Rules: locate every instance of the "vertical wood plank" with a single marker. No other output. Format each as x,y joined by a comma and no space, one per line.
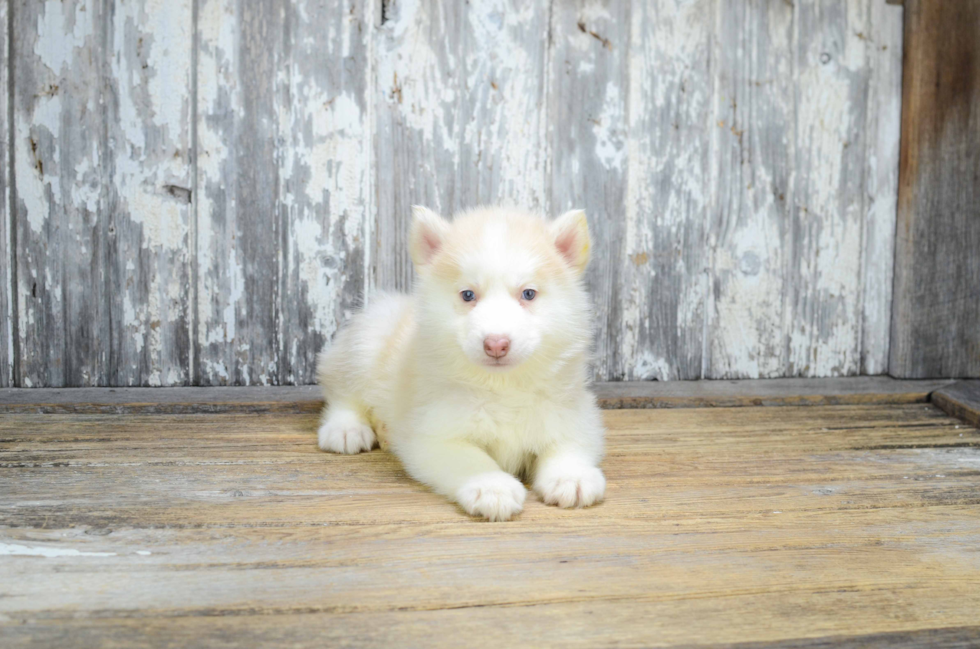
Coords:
149,210
326,174
501,110
6,250
417,95
239,263
830,60
883,128
588,91
61,199
753,153
667,180
936,310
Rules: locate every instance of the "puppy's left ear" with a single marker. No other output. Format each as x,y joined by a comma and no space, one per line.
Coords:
571,236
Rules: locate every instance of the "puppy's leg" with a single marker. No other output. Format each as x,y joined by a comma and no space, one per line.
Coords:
345,430
465,473
568,478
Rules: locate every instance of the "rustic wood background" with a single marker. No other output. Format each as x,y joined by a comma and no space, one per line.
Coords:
202,191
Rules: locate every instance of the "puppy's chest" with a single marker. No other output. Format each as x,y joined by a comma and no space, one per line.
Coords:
516,423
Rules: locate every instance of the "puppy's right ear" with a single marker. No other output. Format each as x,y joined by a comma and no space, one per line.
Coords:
427,235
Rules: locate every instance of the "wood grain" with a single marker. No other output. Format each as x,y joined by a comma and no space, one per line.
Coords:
805,126
937,268
62,194
7,256
620,394
239,222
816,526
202,192
670,92
148,49
587,107
960,399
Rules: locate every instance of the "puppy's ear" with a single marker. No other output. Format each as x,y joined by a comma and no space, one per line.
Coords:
571,236
426,236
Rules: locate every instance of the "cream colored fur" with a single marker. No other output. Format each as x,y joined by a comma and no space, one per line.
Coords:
414,370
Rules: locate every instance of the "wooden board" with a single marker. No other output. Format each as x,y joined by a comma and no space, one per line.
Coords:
7,256
623,394
960,399
937,268
818,526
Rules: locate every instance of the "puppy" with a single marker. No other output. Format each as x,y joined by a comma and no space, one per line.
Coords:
480,375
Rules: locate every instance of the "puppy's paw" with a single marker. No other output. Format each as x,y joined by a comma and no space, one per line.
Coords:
496,496
573,486
345,432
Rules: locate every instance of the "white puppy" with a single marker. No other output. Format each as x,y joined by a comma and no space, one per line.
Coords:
480,375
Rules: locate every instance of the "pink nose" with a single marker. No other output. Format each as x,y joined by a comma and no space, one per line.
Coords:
496,346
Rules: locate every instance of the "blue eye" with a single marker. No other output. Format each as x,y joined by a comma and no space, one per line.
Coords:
529,294
467,295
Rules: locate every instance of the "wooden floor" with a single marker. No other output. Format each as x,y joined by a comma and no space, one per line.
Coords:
848,525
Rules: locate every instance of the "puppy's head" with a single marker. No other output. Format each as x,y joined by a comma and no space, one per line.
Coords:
501,288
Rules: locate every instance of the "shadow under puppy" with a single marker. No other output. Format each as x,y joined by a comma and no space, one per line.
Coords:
480,375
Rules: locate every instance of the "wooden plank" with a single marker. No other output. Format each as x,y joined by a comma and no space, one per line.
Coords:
827,212
239,223
149,49
763,392
662,330
883,128
543,626
937,269
753,145
960,399
628,394
460,114
781,526
7,256
417,129
61,197
587,136
326,174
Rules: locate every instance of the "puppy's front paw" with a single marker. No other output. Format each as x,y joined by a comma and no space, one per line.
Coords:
345,432
574,486
496,496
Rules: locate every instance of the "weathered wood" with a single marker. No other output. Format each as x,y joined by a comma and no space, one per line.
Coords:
620,394
670,89
326,174
883,129
587,139
148,163
848,524
802,187
960,399
6,249
239,221
753,145
62,194
459,115
937,269
216,218
416,59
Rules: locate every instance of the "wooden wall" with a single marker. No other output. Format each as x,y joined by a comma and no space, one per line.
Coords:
202,191
936,324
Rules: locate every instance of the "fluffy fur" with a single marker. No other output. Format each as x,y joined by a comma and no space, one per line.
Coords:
423,374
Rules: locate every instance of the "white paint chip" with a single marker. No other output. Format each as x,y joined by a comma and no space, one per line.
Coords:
13,549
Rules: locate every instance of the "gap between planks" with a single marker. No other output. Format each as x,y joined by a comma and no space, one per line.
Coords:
611,396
